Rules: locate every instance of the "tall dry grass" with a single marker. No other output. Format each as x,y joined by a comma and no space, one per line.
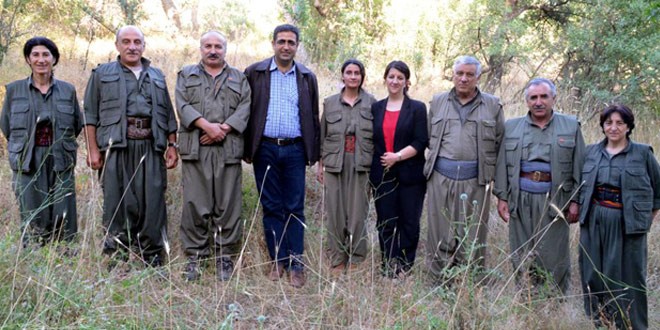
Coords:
43,288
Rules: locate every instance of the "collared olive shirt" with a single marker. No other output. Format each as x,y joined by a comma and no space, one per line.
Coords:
537,141
224,98
610,168
113,93
43,103
340,119
138,100
459,141
638,174
560,143
25,106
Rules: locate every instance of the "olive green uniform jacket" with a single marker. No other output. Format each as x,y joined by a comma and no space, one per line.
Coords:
211,175
134,174
43,177
533,232
346,177
566,158
490,130
453,230
613,242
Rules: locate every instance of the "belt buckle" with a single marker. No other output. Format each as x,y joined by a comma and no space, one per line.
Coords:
138,123
280,142
536,176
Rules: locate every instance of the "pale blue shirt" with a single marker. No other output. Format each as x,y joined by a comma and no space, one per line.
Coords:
283,118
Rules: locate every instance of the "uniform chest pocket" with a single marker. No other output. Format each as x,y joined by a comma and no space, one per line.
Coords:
566,145
19,116
488,130
109,88
232,94
366,122
436,126
161,90
510,153
587,169
193,87
65,118
637,179
334,124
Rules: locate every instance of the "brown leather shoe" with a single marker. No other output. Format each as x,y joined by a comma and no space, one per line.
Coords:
276,271
297,278
336,271
353,267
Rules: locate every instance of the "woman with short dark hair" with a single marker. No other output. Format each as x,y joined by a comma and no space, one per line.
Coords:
399,184
41,120
620,198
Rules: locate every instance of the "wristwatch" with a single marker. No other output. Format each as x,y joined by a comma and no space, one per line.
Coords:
399,154
173,145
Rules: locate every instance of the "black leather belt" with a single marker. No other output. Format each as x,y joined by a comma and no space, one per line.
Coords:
282,142
139,122
138,128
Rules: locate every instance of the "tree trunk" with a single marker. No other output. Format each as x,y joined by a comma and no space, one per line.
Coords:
172,12
194,18
9,30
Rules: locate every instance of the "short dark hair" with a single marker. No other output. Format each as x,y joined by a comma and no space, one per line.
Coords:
625,113
286,28
41,41
359,65
401,67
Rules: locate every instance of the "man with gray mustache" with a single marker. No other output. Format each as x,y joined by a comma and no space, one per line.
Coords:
537,178
213,104
131,138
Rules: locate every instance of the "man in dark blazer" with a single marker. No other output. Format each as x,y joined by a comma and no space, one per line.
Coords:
283,135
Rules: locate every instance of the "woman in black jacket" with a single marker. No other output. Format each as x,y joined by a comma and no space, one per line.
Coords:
400,138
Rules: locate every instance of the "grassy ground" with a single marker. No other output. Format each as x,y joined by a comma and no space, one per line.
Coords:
42,288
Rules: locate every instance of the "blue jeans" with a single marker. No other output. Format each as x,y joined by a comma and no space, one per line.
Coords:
280,175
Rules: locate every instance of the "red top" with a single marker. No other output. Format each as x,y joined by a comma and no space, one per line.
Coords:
389,127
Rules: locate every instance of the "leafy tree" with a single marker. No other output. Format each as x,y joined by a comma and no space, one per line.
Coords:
230,18
131,10
13,23
336,30
611,51
512,31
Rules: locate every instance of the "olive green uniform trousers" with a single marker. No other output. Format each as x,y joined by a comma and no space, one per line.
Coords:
612,264
347,209
47,199
211,204
134,182
539,242
460,226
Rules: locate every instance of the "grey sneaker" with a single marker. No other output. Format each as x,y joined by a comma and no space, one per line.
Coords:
192,272
224,267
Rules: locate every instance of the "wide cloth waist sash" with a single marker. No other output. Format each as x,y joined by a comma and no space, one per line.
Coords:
531,186
458,170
